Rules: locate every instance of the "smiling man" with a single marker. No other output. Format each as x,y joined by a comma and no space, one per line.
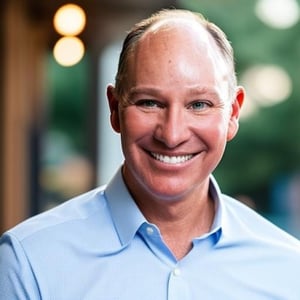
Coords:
161,228
177,110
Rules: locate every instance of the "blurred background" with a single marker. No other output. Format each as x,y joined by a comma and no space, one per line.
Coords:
55,137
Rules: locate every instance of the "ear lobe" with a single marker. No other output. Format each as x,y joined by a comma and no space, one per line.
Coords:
114,108
235,113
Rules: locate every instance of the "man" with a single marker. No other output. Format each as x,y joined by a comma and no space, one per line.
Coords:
161,229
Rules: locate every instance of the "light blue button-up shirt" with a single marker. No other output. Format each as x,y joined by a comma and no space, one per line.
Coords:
99,246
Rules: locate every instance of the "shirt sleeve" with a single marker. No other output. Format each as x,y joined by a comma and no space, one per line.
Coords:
17,281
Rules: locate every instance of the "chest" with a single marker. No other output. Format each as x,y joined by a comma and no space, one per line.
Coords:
146,270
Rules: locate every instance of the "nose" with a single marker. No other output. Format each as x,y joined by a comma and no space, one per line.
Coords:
172,128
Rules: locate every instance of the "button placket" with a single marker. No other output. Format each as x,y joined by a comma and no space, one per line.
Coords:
178,288
176,271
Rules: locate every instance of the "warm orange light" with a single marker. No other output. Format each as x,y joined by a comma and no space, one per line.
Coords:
68,51
69,19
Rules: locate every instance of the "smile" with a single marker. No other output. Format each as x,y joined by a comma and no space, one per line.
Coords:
172,159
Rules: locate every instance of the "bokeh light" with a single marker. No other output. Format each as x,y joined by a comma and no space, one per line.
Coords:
68,51
265,85
279,14
69,19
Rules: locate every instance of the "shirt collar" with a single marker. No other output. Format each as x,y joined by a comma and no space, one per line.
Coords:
224,219
126,215
128,218
216,195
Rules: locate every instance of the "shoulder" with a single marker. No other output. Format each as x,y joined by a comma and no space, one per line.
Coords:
64,236
64,217
243,221
57,243
259,251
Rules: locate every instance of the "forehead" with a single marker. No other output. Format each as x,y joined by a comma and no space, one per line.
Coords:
180,36
180,41
177,55
172,51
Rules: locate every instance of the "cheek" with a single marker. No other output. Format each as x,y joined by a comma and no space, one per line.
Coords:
133,124
213,129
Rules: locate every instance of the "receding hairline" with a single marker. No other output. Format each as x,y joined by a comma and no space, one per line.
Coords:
176,25
172,14
167,19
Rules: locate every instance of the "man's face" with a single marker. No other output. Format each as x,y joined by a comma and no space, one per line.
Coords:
179,117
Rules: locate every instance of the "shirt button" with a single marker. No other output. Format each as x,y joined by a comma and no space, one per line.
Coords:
149,230
176,272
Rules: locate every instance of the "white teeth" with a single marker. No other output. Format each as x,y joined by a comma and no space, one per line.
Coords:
171,159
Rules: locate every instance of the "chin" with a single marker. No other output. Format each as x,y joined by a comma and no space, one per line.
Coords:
169,193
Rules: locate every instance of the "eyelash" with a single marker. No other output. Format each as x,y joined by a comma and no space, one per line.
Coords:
204,104
151,104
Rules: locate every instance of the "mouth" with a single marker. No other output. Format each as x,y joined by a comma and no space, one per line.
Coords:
172,160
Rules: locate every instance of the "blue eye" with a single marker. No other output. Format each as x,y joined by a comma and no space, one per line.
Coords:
199,105
147,103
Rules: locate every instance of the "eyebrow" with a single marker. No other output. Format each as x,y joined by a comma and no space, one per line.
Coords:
144,90
196,90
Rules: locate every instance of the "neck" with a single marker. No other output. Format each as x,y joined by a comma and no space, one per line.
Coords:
180,221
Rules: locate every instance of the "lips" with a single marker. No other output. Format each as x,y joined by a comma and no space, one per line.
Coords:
173,160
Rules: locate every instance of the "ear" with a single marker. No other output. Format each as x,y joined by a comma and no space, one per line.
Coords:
114,108
235,113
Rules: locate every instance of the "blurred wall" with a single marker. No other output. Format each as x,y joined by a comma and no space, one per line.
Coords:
22,45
